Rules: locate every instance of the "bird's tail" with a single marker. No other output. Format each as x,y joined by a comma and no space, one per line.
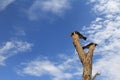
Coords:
84,38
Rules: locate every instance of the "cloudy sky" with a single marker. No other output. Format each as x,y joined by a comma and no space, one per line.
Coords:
35,41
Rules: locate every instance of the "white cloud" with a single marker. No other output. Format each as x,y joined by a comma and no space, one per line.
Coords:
41,7
67,69
11,48
105,31
5,3
106,6
109,67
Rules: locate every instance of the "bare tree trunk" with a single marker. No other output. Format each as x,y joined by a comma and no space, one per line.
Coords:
85,58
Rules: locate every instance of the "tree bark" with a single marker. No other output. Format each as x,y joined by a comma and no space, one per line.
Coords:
85,58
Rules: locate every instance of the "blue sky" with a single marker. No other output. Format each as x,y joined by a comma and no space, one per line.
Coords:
35,39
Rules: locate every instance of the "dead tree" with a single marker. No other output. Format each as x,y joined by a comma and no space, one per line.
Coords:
85,58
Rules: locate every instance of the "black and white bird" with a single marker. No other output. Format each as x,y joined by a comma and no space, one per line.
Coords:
87,46
80,35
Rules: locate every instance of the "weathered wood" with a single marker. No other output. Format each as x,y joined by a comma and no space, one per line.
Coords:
85,58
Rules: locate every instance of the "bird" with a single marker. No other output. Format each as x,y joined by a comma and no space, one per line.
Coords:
80,35
87,46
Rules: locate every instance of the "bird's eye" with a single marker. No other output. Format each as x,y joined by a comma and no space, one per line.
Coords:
72,33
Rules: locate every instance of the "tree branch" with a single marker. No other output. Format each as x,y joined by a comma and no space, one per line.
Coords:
95,76
76,37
